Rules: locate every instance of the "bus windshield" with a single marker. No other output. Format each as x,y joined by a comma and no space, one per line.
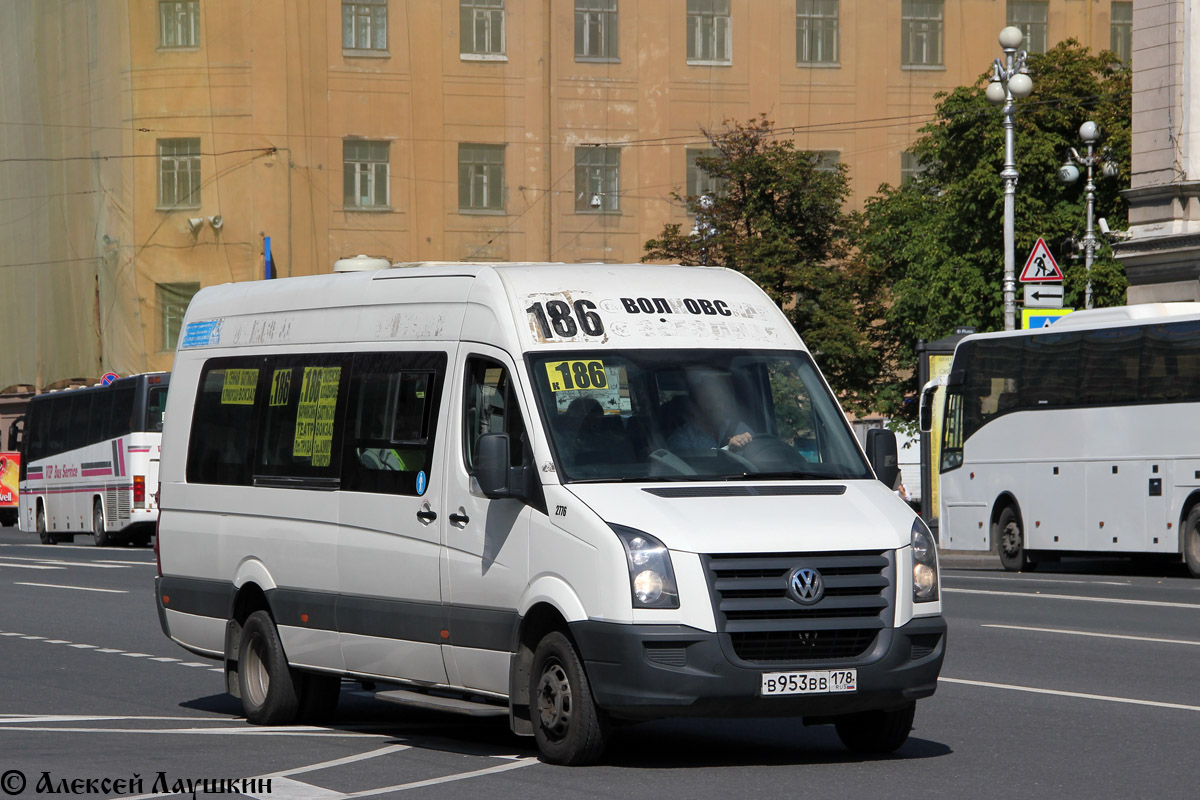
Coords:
671,415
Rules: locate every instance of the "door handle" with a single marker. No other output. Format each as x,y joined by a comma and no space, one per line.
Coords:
427,516
459,519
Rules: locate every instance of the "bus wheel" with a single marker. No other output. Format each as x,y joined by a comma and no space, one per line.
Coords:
1011,540
568,726
876,732
98,531
43,532
268,686
1191,542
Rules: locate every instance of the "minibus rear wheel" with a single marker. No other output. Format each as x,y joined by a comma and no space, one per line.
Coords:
268,687
568,726
876,732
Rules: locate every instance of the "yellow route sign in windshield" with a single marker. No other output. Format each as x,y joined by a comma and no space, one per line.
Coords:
569,375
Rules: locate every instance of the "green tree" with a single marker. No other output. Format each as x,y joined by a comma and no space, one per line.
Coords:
778,218
938,240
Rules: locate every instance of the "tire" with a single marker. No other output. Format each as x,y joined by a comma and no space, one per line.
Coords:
99,533
319,697
43,531
567,725
876,732
1010,542
1191,542
268,685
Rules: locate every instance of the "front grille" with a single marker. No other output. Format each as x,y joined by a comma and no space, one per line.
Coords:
765,624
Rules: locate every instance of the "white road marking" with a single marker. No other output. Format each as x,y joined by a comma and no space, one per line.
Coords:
1041,596
30,719
85,646
136,655
125,563
78,588
166,659
193,664
1099,635
295,730
461,776
29,566
337,762
1078,695
1035,580
109,650
56,641
60,563
296,790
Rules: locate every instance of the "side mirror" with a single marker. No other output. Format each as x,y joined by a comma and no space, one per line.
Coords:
929,395
882,453
492,471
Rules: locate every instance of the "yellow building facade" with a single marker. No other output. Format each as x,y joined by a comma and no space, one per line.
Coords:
150,147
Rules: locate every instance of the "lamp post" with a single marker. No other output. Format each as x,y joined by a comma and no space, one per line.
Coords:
702,227
1010,80
1089,133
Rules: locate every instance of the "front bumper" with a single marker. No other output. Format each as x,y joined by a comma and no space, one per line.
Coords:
653,671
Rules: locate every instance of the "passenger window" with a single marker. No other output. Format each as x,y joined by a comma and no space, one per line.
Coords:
224,423
392,422
304,399
490,406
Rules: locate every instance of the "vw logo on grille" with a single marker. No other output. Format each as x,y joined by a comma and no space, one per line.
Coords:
806,586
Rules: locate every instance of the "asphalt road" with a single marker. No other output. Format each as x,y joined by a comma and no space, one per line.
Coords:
1077,681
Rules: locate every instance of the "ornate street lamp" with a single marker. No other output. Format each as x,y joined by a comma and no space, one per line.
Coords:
1089,132
1010,80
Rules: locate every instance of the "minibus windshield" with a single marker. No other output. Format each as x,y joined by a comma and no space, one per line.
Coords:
678,415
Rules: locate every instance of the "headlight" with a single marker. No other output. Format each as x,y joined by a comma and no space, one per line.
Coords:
651,579
925,567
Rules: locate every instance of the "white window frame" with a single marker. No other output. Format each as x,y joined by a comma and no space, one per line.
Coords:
178,163
491,15
598,174
365,17
178,24
369,171
699,182
1120,35
173,299
924,31
596,31
709,32
1032,17
817,30
480,178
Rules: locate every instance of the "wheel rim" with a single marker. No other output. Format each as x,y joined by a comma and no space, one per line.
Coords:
554,700
254,672
98,524
1010,540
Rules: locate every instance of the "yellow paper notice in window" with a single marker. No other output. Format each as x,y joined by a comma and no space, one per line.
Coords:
306,412
322,447
238,389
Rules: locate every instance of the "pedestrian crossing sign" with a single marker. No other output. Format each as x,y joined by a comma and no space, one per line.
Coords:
1042,317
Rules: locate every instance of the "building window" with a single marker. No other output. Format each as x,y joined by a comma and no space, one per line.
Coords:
482,23
921,33
709,37
816,31
1031,16
364,24
365,176
481,177
178,173
179,23
1121,30
597,179
596,30
910,167
173,299
700,182
827,160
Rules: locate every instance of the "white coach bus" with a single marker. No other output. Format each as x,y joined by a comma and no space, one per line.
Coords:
89,461
565,494
1077,438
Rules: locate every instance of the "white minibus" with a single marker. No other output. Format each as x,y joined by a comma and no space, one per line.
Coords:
1080,438
570,495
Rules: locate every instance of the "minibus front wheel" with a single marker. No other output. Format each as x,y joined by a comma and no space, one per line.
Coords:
268,688
567,724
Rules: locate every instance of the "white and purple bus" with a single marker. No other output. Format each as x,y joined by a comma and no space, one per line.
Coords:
90,461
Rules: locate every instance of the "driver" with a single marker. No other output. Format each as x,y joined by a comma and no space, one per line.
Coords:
710,421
